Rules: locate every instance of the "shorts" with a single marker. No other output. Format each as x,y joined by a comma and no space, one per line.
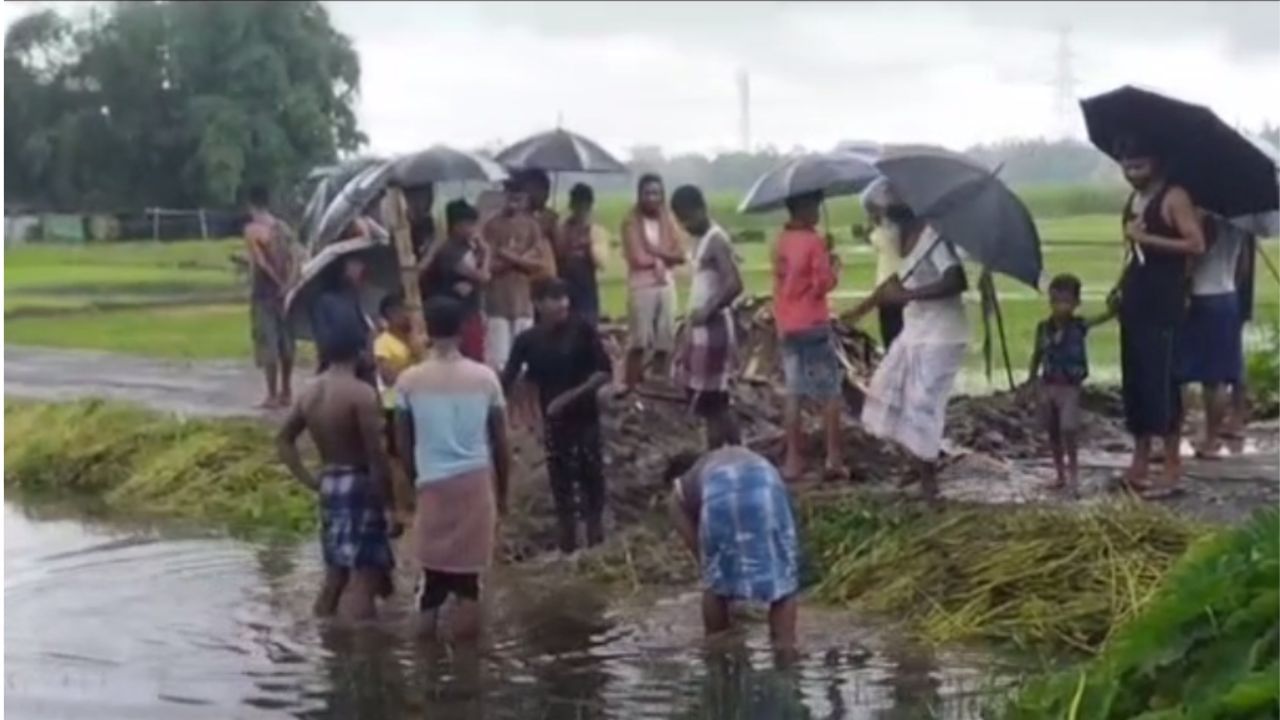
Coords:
810,364
435,586
272,339
1060,407
651,318
1212,350
708,403
353,527
747,535
500,336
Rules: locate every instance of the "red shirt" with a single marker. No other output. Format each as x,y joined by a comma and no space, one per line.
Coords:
802,278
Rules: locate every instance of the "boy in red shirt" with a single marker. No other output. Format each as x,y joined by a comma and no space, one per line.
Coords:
805,271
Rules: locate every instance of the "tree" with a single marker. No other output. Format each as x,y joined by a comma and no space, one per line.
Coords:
179,104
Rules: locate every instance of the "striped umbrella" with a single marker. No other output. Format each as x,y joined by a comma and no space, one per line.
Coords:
440,163
560,151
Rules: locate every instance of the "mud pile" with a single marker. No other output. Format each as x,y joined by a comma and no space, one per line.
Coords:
1009,424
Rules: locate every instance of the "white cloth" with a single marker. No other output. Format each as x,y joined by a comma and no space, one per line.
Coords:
907,399
706,282
1215,271
941,321
499,336
652,230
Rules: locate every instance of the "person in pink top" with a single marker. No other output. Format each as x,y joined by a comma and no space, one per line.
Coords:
653,246
805,271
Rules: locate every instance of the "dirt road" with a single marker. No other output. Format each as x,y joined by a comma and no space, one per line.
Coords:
220,389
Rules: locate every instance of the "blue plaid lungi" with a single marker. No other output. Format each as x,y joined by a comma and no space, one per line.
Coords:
353,527
747,534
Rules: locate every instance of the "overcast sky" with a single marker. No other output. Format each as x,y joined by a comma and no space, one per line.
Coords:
471,74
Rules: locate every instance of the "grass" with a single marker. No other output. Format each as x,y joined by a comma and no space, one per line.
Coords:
145,464
1042,578
55,295
1205,646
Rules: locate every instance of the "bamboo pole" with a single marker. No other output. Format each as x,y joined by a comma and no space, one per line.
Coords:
393,210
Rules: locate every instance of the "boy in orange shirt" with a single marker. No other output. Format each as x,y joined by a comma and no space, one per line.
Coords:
805,271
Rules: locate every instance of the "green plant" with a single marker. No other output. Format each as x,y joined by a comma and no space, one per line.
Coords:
1205,647
1262,371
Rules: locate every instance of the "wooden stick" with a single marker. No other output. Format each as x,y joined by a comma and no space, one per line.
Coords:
1004,344
393,209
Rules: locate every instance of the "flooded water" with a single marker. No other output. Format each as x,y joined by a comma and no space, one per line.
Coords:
109,621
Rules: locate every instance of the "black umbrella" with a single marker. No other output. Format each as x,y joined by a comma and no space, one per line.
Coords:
382,278
835,173
348,204
1223,171
970,207
440,163
327,181
560,151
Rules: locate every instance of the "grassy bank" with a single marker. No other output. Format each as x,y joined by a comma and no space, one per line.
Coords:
140,463
1206,646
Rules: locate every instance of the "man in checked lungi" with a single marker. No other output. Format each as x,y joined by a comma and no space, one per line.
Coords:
704,364
731,508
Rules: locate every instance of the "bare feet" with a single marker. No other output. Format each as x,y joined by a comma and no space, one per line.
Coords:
1135,479
270,403
835,472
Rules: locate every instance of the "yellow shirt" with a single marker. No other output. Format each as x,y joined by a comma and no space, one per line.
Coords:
396,353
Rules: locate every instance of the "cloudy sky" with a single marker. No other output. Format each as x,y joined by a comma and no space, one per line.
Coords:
473,74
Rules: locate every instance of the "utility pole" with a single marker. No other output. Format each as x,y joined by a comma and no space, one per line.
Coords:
1064,85
744,110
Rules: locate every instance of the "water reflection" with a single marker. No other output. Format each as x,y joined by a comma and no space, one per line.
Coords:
130,622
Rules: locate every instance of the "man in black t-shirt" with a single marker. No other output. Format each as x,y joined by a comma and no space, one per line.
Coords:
459,270
563,357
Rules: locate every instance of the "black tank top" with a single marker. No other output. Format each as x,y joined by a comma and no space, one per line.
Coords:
1155,290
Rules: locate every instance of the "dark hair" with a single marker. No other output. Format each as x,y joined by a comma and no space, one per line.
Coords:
547,288
459,211
900,213
1066,283
581,193
535,177
1133,147
795,202
513,185
258,196
687,198
393,301
444,317
678,465
722,429
647,178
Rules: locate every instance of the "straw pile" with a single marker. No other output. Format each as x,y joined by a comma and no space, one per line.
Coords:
1035,577
1206,645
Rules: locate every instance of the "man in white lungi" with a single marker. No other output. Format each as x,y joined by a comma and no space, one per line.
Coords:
907,400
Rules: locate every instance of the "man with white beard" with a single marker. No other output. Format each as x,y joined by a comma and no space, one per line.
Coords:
907,399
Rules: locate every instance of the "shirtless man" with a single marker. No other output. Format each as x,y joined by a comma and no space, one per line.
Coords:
267,242
344,418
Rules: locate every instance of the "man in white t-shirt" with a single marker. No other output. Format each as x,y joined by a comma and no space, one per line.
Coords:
907,399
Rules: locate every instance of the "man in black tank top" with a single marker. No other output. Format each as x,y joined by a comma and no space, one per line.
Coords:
1163,233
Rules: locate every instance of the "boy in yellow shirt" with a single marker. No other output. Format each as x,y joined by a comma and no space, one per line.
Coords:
394,354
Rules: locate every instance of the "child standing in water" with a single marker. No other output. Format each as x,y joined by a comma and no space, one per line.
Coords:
1059,366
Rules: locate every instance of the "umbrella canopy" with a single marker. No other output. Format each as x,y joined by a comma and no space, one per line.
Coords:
382,278
1223,171
440,163
969,207
328,181
832,174
560,151
1261,224
348,204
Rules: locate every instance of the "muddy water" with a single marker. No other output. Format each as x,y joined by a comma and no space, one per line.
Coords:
108,621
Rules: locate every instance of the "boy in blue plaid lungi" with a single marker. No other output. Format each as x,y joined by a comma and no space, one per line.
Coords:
731,507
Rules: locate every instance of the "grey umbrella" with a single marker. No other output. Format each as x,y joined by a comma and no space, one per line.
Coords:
560,151
440,163
834,173
348,204
326,182
970,207
382,278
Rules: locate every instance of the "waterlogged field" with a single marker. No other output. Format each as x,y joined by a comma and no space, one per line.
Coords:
187,299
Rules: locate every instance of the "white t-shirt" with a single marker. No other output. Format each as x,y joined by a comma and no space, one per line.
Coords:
1215,271
940,321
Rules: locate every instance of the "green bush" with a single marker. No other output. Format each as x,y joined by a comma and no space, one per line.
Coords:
1205,647
1262,371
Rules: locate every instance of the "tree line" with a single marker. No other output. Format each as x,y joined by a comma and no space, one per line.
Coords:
173,104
